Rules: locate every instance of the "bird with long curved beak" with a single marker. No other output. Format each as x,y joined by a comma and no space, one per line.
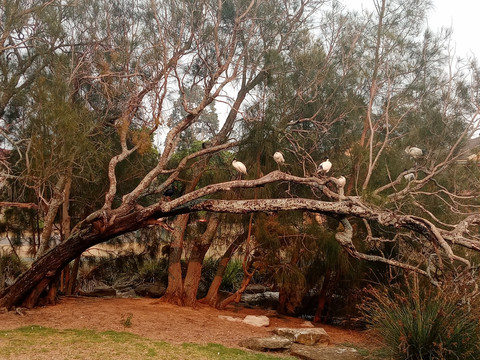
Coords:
240,167
279,159
415,152
324,166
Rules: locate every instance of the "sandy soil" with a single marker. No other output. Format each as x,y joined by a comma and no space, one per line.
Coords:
160,321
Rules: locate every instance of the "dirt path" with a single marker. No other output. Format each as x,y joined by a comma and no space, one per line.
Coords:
160,321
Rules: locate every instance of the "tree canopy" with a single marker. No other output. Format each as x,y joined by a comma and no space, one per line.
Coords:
104,106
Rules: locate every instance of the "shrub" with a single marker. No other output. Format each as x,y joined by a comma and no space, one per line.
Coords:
233,276
10,267
424,322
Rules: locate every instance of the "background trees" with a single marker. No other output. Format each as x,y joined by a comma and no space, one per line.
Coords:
110,81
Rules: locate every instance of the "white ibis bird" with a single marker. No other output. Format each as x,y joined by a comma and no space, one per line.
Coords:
324,166
341,181
473,158
239,166
409,176
279,159
414,152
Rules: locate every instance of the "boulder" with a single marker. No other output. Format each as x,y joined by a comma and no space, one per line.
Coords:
154,290
100,290
324,352
125,283
268,299
257,321
272,343
305,336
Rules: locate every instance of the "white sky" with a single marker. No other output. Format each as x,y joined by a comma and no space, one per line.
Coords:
461,15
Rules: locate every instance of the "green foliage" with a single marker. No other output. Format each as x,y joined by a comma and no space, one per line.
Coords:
10,267
233,276
154,270
419,322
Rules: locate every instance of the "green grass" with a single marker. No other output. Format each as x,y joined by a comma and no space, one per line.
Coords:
37,342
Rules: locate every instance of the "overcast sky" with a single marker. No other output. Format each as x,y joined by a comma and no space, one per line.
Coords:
461,15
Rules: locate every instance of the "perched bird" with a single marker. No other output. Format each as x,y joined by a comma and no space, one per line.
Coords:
170,191
279,159
324,166
239,166
409,177
414,152
473,158
341,181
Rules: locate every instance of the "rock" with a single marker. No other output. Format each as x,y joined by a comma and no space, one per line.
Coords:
155,290
309,337
125,283
268,299
257,321
267,343
324,352
101,290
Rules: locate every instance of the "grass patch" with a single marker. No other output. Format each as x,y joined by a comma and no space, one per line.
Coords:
37,342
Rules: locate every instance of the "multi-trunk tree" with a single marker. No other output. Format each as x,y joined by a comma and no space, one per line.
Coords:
347,90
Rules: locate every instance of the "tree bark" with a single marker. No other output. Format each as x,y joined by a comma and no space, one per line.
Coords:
194,269
174,290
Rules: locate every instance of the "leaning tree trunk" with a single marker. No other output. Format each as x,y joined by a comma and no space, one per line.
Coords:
194,269
28,287
212,296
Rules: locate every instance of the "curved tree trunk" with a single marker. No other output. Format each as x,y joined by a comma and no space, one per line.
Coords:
212,296
28,286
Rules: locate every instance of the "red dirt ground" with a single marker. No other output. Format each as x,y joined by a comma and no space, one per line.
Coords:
160,321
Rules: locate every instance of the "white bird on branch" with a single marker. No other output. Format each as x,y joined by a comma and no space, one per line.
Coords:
279,159
240,167
409,176
341,181
324,166
414,152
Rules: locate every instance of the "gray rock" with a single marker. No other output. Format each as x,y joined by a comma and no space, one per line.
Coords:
268,299
304,336
99,291
126,283
324,352
154,290
267,344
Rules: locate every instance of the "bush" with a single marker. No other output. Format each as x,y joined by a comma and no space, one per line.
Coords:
10,267
233,276
424,322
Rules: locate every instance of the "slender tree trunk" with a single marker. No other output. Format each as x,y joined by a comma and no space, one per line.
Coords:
194,269
55,202
247,276
212,296
174,290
